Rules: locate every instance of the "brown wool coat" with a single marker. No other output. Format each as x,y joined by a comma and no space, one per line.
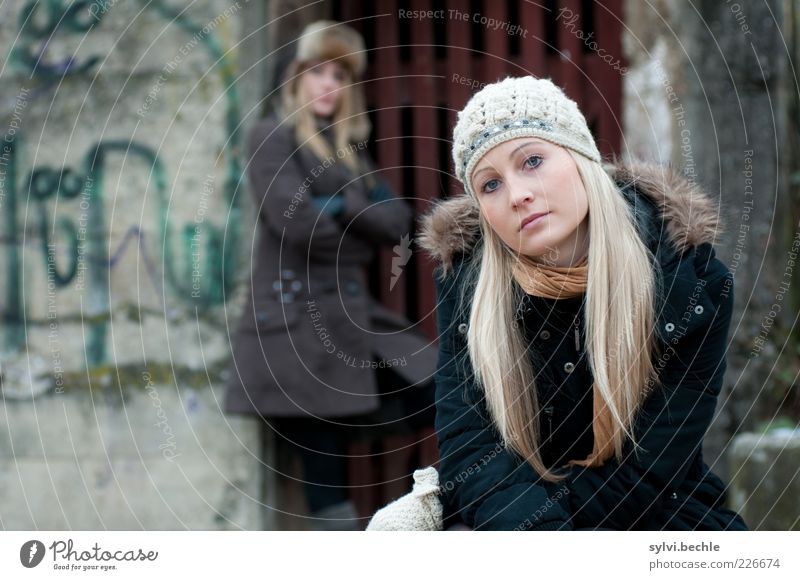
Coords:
310,330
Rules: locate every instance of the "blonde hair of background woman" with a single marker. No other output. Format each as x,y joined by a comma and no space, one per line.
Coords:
619,323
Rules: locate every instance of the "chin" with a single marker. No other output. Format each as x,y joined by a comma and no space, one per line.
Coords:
324,111
532,250
526,251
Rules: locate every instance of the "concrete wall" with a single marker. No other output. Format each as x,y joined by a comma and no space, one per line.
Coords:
126,231
766,479
704,92
695,98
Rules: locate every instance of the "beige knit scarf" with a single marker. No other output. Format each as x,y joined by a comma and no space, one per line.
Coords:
559,283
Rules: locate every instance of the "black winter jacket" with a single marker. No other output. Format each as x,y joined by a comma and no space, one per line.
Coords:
666,485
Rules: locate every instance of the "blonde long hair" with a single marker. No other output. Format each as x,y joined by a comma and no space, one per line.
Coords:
620,305
350,123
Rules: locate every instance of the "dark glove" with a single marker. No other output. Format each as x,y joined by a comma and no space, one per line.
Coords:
381,192
332,205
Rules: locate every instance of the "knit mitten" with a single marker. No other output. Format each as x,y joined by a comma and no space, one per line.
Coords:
419,510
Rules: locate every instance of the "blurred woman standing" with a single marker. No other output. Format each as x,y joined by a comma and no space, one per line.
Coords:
314,354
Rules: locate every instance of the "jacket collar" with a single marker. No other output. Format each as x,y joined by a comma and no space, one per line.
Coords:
666,205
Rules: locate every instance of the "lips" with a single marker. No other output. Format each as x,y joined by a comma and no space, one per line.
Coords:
531,218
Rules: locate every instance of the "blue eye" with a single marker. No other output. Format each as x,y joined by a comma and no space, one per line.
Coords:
487,187
536,159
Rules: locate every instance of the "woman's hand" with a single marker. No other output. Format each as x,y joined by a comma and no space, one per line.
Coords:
333,205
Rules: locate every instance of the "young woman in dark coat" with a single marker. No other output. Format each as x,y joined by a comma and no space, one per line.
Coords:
315,354
584,319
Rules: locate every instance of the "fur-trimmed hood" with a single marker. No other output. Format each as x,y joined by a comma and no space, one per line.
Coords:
666,205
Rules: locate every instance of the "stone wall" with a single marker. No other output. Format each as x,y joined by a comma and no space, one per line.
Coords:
708,90
126,231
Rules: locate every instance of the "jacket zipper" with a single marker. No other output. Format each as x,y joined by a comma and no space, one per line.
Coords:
577,336
549,412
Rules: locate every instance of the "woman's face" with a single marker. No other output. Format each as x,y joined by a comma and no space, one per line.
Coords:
321,87
526,177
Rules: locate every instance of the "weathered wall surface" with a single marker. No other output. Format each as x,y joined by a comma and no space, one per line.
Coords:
124,221
704,92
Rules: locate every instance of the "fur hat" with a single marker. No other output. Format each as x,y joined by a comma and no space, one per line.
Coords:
517,107
326,40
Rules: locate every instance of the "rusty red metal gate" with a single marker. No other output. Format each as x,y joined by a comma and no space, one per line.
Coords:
421,72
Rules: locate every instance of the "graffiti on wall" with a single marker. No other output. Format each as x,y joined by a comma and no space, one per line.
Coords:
84,259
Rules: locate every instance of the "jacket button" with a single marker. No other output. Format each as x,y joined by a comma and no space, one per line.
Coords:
462,328
698,309
669,327
569,367
544,335
261,316
352,287
674,495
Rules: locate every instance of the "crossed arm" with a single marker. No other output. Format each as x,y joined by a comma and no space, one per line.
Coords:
282,190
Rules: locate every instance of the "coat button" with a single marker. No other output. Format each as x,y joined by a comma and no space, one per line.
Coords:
261,316
669,327
698,309
352,287
462,328
674,495
544,335
569,367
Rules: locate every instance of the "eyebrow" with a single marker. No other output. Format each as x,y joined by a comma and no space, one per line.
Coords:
527,143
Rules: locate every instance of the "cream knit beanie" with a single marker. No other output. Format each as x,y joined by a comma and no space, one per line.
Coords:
517,107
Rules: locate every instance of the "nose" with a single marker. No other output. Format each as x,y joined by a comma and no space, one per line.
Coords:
330,83
520,191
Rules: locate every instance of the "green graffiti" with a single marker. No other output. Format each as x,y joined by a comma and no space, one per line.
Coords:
13,315
222,247
43,185
39,21
200,246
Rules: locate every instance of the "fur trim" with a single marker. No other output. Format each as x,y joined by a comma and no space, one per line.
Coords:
690,216
451,227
